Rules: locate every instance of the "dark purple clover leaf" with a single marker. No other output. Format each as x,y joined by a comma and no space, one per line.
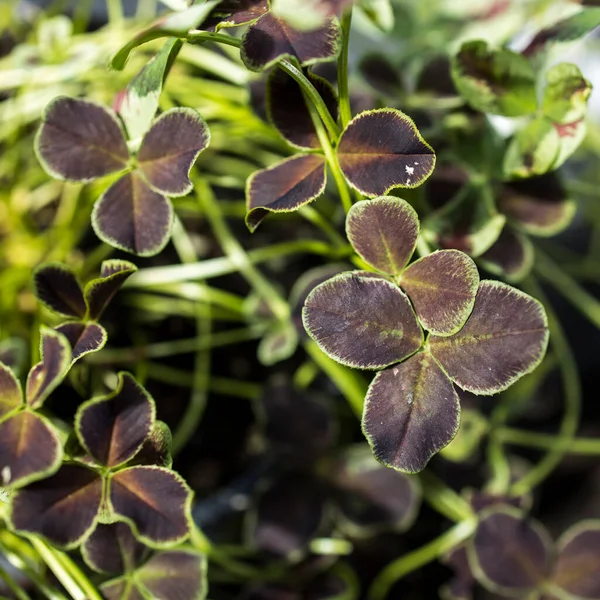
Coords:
63,508
30,449
537,205
113,428
577,569
100,291
362,321
113,549
382,149
511,256
170,148
460,587
510,553
284,187
131,216
383,232
288,515
174,575
84,338
442,288
233,13
11,396
177,24
504,338
56,286
371,498
287,109
381,75
122,588
80,141
270,38
154,501
566,94
411,412
138,102
497,81
298,426
46,375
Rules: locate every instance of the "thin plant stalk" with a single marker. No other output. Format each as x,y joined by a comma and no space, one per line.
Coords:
343,92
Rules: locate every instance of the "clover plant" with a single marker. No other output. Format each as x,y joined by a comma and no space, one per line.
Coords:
367,374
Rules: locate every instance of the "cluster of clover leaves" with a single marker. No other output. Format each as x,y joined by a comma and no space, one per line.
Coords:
112,473
512,555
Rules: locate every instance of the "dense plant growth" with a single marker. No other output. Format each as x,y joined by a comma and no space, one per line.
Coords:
317,402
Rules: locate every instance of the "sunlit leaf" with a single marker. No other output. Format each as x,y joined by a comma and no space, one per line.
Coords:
113,549
57,287
156,450
577,569
279,343
99,292
155,501
298,426
113,428
62,508
84,338
534,150
288,515
270,39
133,217
46,375
284,187
174,574
371,497
170,148
504,338
287,109
511,256
497,81
383,232
510,553
233,13
566,94
177,24
570,137
138,102
382,149
442,288
411,412
29,449
538,205
11,396
362,322
80,141
572,28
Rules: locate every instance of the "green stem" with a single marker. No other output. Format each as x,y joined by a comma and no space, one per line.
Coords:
200,37
547,441
13,586
115,12
350,384
172,347
316,218
192,416
344,95
568,287
572,398
217,267
233,249
315,98
412,561
444,499
72,579
331,157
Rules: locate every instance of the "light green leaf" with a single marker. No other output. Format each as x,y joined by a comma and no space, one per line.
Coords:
566,94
